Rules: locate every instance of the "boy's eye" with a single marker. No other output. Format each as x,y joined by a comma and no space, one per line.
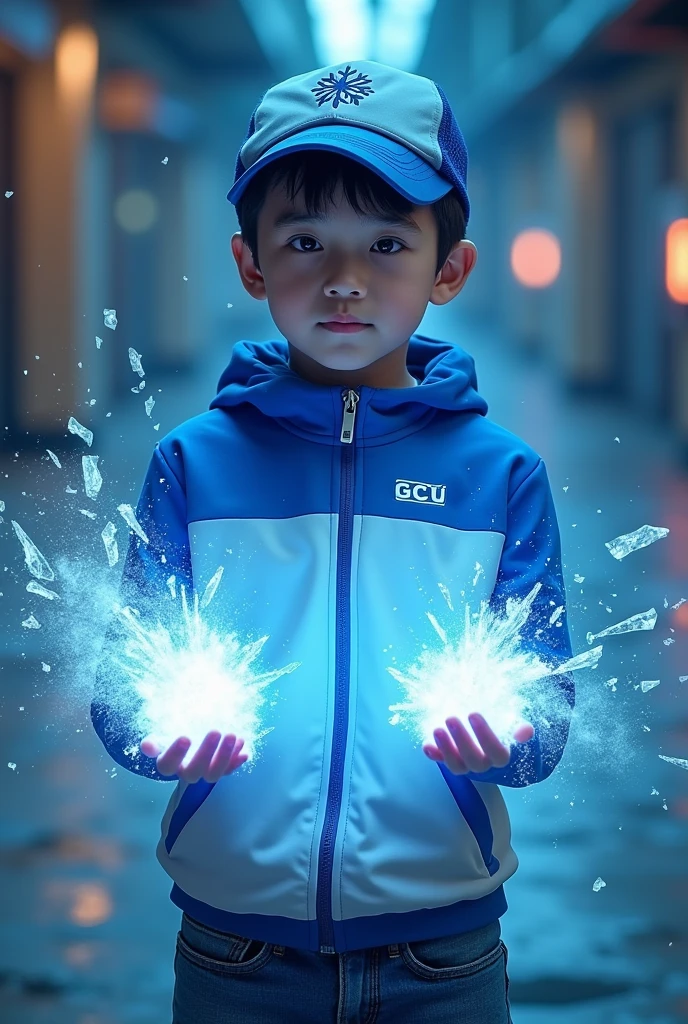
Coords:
387,252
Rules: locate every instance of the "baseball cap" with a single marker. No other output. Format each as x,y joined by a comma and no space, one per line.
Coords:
399,125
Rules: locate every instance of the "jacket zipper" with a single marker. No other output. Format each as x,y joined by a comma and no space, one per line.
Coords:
341,717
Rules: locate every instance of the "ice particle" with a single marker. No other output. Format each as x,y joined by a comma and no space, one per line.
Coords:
209,592
74,427
110,543
649,684
38,588
135,360
46,668
110,318
85,512
149,403
127,514
54,457
99,341
35,561
588,659
93,481
681,762
598,884
628,542
31,623
643,620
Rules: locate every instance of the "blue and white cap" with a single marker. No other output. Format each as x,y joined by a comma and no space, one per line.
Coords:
399,125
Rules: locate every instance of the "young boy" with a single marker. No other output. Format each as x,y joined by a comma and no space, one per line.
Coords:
342,473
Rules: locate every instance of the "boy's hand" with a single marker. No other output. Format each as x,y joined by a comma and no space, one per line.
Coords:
463,755
202,765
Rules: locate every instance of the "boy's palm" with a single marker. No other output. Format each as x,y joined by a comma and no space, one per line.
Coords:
462,755
210,762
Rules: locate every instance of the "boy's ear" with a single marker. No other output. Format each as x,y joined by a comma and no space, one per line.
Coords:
454,274
251,278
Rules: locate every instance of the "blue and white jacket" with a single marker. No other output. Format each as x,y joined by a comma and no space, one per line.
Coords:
336,513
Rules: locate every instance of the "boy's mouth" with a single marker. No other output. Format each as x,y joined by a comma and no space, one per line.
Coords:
339,328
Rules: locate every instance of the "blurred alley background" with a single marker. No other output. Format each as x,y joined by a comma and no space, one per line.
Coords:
120,123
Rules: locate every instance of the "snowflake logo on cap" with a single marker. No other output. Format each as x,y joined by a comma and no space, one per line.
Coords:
343,90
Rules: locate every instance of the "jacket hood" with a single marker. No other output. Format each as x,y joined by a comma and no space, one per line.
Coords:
259,373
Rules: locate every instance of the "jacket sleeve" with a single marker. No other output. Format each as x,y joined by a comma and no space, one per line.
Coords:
161,513
532,554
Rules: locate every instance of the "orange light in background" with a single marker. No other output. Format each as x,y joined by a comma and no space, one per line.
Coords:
128,101
681,617
677,260
536,258
91,904
76,62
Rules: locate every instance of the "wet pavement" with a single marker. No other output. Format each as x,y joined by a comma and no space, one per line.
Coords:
87,931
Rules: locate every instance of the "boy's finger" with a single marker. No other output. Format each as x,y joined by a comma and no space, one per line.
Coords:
468,752
222,759
495,751
149,747
198,765
169,762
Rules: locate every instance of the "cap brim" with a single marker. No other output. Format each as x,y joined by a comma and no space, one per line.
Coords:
404,170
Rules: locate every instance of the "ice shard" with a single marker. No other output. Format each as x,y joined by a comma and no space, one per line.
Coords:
35,562
674,760
93,481
209,592
628,542
643,620
129,518
74,427
135,360
110,318
110,543
54,457
588,659
38,588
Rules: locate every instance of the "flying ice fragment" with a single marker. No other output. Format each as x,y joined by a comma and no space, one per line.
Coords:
129,518
38,588
54,457
35,561
31,623
149,403
674,760
598,884
628,542
643,620
209,592
649,684
93,481
135,360
110,543
74,427
588,659
110,318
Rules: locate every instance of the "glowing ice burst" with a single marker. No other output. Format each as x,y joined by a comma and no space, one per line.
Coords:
193,681
485,671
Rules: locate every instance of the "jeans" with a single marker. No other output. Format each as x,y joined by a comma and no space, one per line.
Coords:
221,978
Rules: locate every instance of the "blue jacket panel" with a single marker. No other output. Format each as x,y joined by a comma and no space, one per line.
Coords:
340,516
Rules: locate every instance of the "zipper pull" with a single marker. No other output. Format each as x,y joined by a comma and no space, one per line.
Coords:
350,399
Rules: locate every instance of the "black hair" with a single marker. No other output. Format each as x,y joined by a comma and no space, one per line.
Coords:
319,172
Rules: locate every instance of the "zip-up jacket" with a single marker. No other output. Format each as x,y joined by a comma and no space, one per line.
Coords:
337,514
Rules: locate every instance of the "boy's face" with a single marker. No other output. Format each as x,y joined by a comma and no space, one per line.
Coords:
312,270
